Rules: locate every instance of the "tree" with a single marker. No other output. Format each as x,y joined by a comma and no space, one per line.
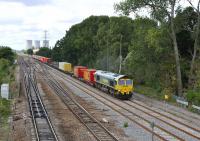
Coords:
7,53
4,68
149,59
161,10
185,21
30,51
91,41
196,43
44,51
57,52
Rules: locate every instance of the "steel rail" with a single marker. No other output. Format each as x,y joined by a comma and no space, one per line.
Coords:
159,127
27,88
43,107
94,126
30,81
181,123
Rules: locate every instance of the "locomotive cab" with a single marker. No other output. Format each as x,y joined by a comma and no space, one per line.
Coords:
118,85
124,85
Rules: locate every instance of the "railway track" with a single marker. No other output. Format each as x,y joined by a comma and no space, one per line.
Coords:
43,128
168,109
192,133
94,126
160,115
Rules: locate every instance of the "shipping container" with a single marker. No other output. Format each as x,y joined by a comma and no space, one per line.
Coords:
45,60
61,65
88,76
78,71
67,67
5,91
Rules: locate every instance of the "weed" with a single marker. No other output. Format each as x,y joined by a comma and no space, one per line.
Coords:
125,124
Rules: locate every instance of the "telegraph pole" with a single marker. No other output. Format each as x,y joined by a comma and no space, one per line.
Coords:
152,126
107,42
120,55
107,56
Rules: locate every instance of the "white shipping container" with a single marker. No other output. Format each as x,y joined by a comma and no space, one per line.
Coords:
61,65
67,67
5,91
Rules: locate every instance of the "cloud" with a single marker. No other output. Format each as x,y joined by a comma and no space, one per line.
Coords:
27,19
30,2
10,21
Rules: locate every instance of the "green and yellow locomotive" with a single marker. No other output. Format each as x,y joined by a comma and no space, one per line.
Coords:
118,85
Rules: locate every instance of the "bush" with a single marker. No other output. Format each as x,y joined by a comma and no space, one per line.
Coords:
4,107
125,124
193,97
30,51
148,91
7,53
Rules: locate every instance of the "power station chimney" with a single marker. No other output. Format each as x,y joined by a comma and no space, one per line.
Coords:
29,44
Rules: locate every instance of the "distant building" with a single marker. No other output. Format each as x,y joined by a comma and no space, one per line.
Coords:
37,44
29,44
35,50
45,43
5,91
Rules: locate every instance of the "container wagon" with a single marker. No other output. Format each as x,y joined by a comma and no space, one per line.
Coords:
64,66
78,71
88,76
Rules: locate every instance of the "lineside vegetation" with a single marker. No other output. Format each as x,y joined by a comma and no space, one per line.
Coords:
156,53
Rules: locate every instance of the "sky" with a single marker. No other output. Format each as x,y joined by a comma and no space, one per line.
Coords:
22,20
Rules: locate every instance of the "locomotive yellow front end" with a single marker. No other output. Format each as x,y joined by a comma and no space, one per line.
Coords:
124,87
120,86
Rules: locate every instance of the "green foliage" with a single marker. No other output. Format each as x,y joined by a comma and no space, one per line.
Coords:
186,19
147,49
4,64
57,52
7,53
149,91
185,22
4,70
96,41
125,124
117,32
162,11
158,9
193,96
4,108
149,55
7,57
44,51
30,51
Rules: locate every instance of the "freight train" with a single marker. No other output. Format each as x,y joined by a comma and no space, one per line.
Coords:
120,86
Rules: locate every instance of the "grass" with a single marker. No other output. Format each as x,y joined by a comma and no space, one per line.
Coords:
125,124
149,92
5,112
7,75
153,93
5,108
